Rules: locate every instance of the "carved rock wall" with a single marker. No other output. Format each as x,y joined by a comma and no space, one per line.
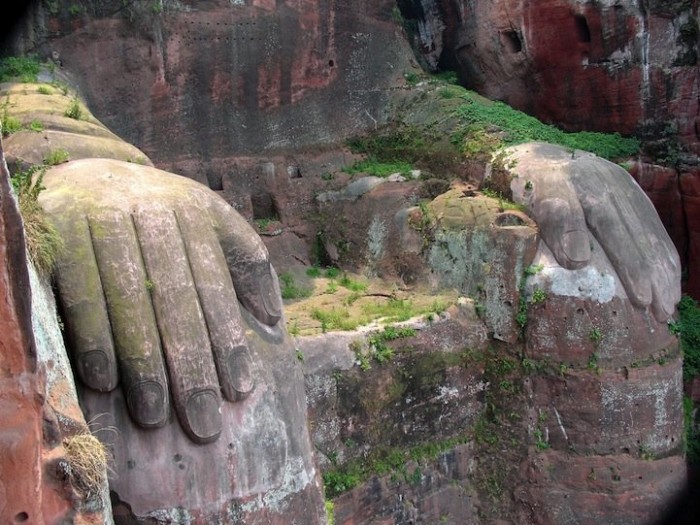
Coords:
201,82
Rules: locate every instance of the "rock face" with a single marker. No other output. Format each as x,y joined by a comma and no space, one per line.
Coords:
231,77
38,405
609,66
582,405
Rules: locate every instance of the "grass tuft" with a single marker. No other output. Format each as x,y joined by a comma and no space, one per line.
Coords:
88,462
44,243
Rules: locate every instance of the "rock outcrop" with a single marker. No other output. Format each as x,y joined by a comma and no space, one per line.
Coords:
131,300
39,409
229,77
584,403
628,67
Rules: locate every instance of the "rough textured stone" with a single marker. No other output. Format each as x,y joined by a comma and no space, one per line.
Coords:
261,75
38,406
483,251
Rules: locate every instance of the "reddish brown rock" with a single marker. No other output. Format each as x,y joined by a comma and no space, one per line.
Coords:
27,492
662,186
564,487
690,189
621,66
205,83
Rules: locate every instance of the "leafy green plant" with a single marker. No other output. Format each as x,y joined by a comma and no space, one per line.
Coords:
294,329
692,431
299,355
538,296
314,271
74,110
75,10
689,326
330,512
411,78
595,335
56,157
36,125
45,90
290,290
332,272
517,127
10,125
378,168
540,442
264,223
351,284
24,69
377,341
44,244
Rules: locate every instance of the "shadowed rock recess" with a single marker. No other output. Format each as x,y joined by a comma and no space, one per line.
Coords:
252,322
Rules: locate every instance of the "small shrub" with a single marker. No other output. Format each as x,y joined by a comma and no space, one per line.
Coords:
56,157
10,125
24,69
515,127
538,296
313,272
352,285
290,290
332,273
36,125
411,78
74,110
45,90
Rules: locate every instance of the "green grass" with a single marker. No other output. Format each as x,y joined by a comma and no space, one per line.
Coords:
517,127
24,69
378,168
290,290
44,244
74,110
56,157
45,90
689,327
381,462
10,125
36,125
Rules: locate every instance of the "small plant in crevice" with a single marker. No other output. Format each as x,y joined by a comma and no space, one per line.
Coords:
538,296
541,442
592,364
290,290
36,125
74,110
56,157
44,243
87,462
595,336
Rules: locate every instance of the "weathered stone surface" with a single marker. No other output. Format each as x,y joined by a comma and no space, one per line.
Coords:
483,251
80,138
572,193
427,495
38,406
424,387
229,77
587,489
268,469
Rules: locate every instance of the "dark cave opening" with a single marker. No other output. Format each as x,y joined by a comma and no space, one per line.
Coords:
582,30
